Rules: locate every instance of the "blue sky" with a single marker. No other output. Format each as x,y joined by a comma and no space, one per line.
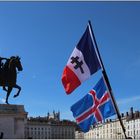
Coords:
44,35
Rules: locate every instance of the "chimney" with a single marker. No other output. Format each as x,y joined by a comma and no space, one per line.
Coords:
122,115
127,114
131,110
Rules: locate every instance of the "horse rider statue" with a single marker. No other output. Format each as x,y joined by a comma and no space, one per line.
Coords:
8,74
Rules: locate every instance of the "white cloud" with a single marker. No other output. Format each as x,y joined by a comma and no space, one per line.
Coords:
2,100
128,100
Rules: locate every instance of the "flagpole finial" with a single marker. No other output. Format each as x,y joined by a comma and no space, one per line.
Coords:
89,21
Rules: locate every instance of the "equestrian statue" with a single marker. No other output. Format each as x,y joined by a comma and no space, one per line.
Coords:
8,74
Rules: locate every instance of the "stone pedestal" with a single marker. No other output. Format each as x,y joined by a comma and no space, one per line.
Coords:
12,121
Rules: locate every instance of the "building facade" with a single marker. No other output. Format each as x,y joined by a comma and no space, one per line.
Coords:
133,124
14,124
50,127
79,135
44,130
111,129
12,121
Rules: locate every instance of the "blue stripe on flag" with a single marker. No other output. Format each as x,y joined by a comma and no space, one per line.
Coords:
85,45
107,109
100,88
82,105
85,125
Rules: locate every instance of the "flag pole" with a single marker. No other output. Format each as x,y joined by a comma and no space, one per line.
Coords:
107,80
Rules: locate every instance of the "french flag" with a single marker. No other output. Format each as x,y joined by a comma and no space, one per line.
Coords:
82,63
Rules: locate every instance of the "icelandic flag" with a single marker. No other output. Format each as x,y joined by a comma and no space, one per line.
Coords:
93,107
82,63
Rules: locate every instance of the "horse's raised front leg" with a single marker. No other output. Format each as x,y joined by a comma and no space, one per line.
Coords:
4,88
8,93
19,89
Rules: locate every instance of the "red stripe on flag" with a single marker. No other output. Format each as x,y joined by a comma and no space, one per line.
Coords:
86,114
95,108
70,80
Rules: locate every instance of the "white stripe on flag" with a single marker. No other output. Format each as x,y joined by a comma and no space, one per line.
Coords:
82,76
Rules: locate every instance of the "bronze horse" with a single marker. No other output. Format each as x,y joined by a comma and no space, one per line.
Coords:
8,76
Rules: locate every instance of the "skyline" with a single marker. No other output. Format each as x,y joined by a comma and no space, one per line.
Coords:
44,35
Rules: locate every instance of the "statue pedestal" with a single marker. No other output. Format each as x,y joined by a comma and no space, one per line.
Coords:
12,121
